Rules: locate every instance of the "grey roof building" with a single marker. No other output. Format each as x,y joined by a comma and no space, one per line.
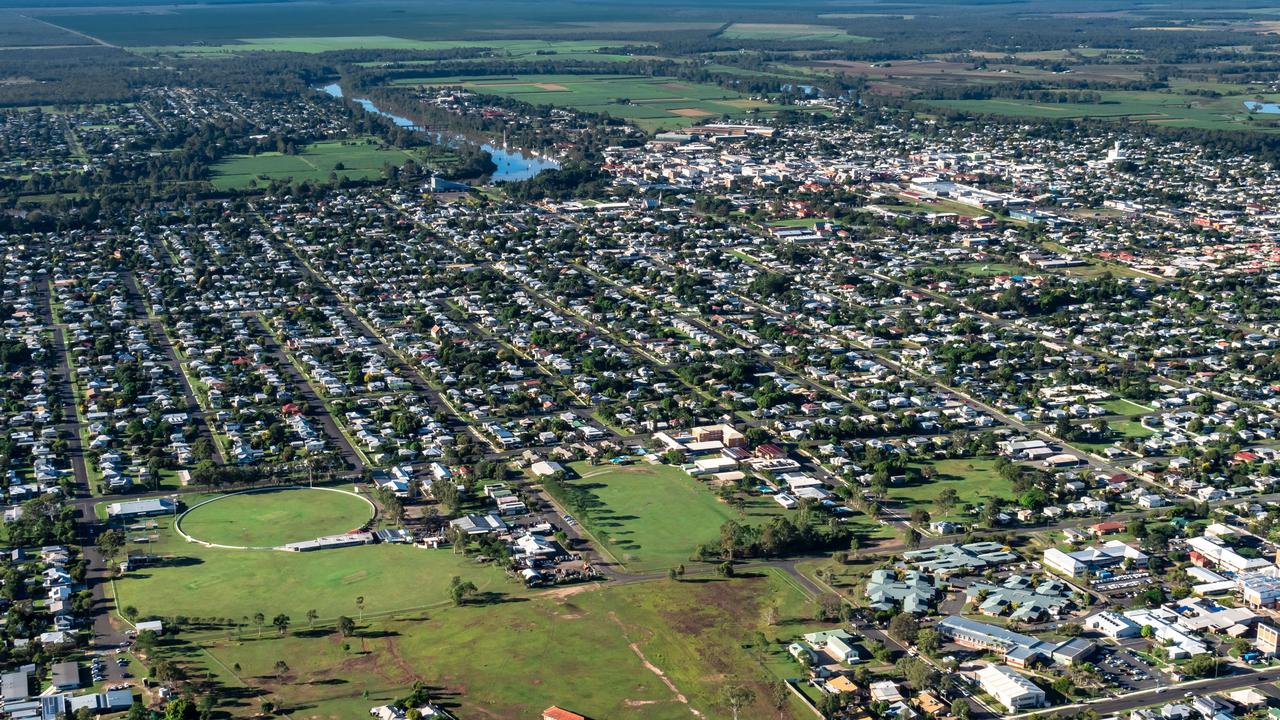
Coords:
912,592
953,559
66,676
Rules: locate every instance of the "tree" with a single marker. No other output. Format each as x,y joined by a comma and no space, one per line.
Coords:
110,543
725,569
146,641
360,606
946,500
904,627
461,590
281,623
738,697
780,695
960,708
928,641
346,626
281,668
1201,666
311,618
259,620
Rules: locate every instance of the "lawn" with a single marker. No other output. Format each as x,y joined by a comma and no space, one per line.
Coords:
1120,406
359,158
200,582
275,517
650,103
652,517
651,651
973,479
784,32
1121,430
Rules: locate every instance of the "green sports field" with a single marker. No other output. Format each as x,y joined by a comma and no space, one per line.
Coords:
275,517
652,517
199,582
648,102
360,159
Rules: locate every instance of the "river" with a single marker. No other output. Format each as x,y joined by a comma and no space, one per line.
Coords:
512,164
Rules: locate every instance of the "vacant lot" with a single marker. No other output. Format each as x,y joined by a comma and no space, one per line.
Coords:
194,581
276,517
652,517
649,102
353,159
650,651
974,480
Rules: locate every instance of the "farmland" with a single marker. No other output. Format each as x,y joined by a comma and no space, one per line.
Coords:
501,47
649,102
1168,109
784,32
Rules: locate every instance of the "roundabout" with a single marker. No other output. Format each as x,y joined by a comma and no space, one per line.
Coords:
269,518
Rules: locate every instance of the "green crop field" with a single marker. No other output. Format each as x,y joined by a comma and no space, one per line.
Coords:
1169,109
503,47
650,651
649,102
276,517
783,32
360,159
652,517
973,479
200,582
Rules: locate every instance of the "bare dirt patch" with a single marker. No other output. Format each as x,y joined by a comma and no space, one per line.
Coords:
690,112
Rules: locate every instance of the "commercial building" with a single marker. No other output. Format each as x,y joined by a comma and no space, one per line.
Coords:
1019,650
1010,688
1091,560
1268,642
1113,625
1259,589
140,508
1213,551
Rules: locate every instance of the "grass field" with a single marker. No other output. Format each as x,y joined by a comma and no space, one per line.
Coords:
1175,110
1122,430
973,479
649,102
783,32
650,651
195,581
1120,406
276,517
652,517
361,159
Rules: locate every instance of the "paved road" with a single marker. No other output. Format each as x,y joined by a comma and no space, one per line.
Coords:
157,335
308,396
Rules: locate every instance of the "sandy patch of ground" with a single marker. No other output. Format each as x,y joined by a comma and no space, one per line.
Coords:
690,112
